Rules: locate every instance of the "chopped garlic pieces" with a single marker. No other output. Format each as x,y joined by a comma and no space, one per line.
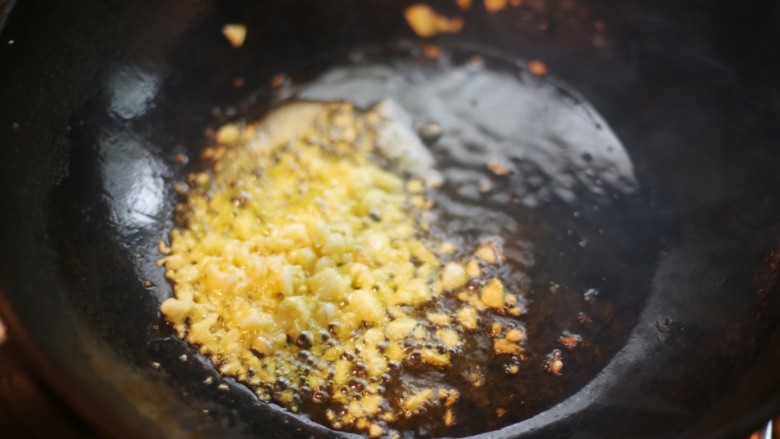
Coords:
426,22
492,294
302,271
454,276
235,34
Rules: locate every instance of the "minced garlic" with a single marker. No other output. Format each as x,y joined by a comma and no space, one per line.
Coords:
304,270
235,34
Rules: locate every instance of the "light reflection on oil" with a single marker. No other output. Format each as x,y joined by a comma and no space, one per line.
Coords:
547,136
133,181
131,91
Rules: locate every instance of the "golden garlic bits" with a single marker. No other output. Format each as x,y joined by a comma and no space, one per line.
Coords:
303,266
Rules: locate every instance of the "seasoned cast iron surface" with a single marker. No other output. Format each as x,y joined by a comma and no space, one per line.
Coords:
97,99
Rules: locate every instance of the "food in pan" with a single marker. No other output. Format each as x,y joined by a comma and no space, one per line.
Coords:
304,265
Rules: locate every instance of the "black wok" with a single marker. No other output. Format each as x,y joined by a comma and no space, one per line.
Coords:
97,99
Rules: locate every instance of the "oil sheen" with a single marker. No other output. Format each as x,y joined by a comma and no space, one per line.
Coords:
372,251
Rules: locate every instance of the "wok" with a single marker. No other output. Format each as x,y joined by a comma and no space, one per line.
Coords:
97,99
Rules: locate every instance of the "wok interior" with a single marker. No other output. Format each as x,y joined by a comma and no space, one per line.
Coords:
690,338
